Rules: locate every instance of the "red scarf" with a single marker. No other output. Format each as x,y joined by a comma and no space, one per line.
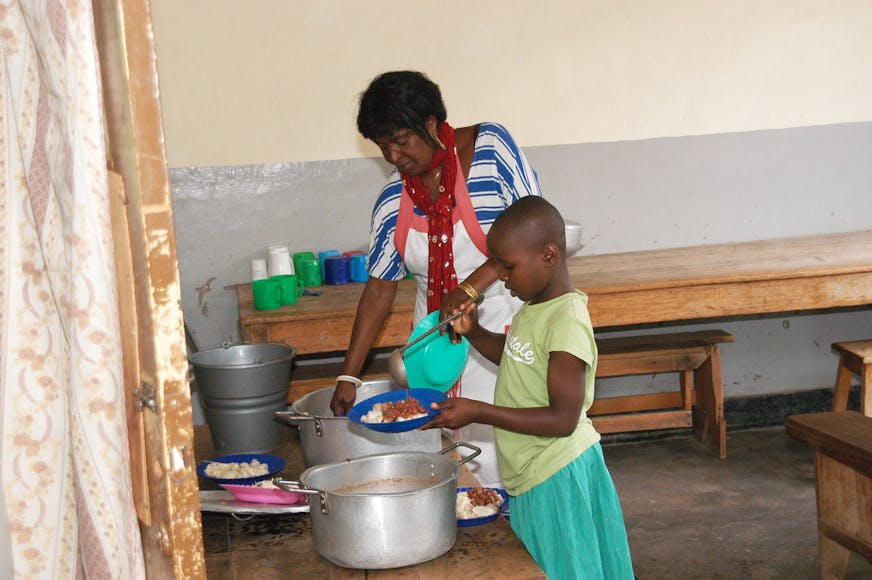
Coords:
441,277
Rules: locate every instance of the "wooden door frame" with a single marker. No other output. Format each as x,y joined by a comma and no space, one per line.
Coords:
155,358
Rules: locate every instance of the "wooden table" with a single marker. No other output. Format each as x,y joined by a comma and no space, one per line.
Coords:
842,442
488,551
712,281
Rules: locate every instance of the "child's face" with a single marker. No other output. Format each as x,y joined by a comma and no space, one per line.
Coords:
523,270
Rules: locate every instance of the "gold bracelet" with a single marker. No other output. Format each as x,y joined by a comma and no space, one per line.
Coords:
469,290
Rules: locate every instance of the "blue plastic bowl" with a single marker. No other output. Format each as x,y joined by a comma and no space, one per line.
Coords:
504,509
424,396
275,464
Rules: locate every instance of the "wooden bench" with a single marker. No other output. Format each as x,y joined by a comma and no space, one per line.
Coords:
842,443
854,357
698,401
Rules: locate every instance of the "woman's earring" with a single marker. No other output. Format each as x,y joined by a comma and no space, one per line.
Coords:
439,141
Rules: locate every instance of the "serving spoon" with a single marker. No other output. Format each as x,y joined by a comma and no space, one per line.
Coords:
397,364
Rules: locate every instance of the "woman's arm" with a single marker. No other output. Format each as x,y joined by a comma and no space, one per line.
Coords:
489,344
559,419
372,309
479,281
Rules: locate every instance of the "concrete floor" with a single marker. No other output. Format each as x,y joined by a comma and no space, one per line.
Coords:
749,516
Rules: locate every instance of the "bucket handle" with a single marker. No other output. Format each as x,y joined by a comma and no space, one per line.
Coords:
300,487
257,362
476,451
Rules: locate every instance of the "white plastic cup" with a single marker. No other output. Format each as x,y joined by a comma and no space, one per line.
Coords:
258,269
280,261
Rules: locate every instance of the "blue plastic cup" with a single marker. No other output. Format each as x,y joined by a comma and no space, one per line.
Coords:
337,270
358,268
323,255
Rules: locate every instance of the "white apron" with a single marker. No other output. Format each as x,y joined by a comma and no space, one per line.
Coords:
495,313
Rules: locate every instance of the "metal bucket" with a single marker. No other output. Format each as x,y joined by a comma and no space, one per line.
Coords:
325,439
242,386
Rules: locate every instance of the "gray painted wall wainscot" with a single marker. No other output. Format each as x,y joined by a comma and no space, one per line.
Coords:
635,195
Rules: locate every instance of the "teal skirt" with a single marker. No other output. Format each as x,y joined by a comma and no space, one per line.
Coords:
572,523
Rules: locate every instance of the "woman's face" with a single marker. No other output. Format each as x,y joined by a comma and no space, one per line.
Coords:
405,150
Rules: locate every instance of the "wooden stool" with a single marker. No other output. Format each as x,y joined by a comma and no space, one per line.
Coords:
698,402
854,357
842,444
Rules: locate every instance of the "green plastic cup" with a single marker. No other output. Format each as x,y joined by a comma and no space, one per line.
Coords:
267,294
310,270
298,260
292,287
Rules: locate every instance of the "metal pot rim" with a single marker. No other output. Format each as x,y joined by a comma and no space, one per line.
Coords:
423,455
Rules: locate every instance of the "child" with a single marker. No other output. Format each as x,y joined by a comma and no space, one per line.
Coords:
563,503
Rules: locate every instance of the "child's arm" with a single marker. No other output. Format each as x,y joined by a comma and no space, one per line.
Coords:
559,419
489,344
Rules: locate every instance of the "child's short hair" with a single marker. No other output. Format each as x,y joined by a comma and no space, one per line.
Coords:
536,218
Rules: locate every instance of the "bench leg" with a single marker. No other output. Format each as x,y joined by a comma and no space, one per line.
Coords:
866,391
834,558
844,526
686,386
708,414
843,386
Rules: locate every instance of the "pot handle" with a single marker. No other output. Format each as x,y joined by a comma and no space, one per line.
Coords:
291,416
300,487
294,486
475,450
294,416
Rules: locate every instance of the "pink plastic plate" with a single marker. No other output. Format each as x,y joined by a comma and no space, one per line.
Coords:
253,494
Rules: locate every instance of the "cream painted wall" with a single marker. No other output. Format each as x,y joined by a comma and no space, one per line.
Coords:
277,80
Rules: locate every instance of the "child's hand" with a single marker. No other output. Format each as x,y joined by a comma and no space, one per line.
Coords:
456,413
466,324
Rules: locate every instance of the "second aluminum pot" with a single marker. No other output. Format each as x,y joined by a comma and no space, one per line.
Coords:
325,438
383,511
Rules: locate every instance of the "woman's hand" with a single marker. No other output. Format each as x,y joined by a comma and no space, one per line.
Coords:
451,304
468,323
343,398
456,413
479,281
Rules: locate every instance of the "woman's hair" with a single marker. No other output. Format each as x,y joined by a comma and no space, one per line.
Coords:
400,100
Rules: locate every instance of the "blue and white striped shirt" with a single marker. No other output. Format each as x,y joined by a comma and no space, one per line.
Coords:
499,175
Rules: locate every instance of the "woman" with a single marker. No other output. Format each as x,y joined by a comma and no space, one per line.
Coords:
430,219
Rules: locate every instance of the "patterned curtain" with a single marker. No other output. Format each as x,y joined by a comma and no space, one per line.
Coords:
66,506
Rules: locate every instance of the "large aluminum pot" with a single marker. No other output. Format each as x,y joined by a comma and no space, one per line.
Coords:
383,511
326,439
